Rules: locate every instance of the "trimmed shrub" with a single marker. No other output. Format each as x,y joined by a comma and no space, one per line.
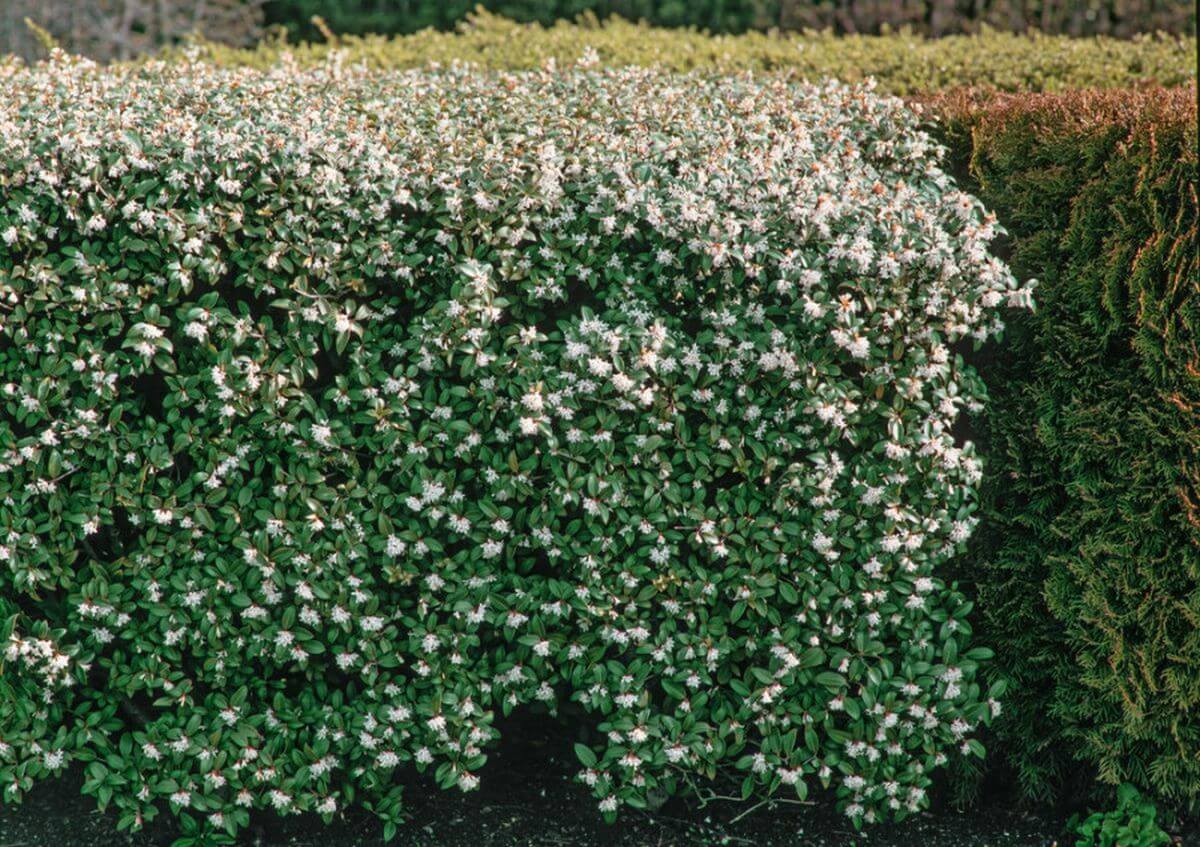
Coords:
935,17
901,64
344,413
1087,569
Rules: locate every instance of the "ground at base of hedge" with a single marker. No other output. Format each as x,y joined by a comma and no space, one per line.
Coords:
528,815
528,799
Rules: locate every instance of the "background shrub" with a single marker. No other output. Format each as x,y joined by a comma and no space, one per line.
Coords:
121,29
933,17
900,64
323,444
1087,569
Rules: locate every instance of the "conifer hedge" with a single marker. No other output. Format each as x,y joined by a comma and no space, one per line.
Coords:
1087,566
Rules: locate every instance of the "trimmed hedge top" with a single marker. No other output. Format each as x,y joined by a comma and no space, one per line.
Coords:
933,17
901,64
341,412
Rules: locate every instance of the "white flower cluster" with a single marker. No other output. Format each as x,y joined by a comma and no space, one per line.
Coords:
340,412
41,658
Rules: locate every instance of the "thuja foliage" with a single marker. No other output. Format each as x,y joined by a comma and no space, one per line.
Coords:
343,413
1088,566
900,63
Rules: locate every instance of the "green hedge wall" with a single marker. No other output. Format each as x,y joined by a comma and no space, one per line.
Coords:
342,413
902,64
1087,566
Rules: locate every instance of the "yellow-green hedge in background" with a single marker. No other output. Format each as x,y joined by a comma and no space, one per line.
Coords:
903,63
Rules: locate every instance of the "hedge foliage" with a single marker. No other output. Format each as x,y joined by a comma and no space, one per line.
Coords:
342,413
901,64
1087,568
935,17
396,17
1088,579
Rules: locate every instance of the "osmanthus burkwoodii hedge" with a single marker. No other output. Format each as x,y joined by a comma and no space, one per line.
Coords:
344,411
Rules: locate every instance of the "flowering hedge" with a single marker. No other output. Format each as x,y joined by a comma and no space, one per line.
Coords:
344,413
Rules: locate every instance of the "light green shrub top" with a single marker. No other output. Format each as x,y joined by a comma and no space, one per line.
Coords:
902,63
341,412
